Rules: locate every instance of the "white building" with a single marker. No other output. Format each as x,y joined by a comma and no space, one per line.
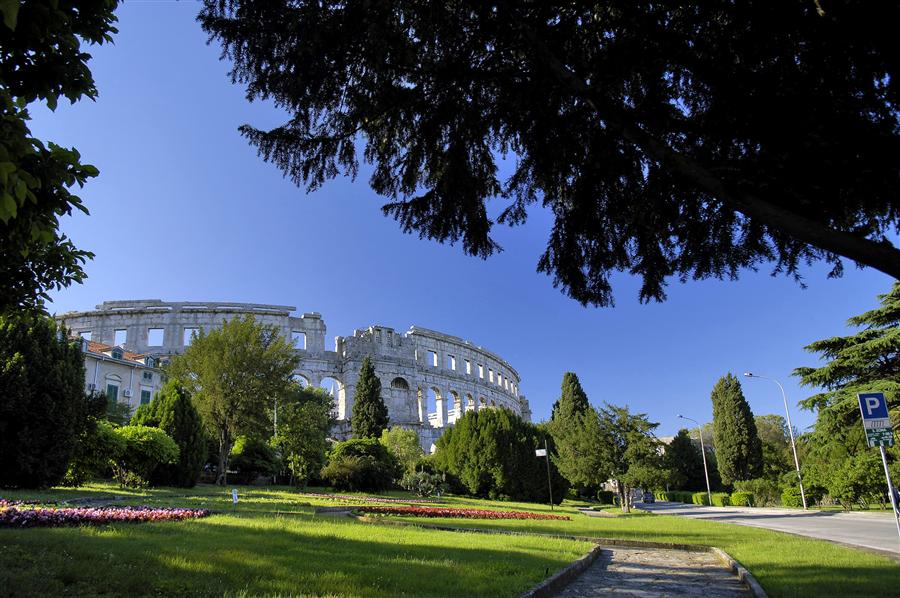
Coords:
123,376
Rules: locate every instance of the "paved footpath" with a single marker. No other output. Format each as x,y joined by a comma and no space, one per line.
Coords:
652,572
876,531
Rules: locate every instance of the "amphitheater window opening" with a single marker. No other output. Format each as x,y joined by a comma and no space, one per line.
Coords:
120,337
481,371
433,357
335,389
493,403
433,402
85,334
155,337
470,403
482,402
298,338
188,337
499,379
468,368
451,362
400,383
490,375
300,379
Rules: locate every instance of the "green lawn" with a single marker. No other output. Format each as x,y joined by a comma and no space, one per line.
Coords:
785,564
272,543
255,551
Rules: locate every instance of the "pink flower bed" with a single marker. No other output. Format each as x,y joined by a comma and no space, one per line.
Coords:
375,499
459,513
11,516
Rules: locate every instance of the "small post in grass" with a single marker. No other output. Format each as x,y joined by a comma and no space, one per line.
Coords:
234,499
546,453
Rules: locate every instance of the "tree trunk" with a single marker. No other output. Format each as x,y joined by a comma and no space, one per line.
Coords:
224,450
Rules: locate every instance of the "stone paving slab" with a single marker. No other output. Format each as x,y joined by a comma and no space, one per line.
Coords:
651,572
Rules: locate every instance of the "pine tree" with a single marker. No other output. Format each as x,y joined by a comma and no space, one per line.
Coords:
575,428
738,448
684,460
171,411
370,415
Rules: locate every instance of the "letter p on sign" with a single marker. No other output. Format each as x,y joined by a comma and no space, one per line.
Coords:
873,405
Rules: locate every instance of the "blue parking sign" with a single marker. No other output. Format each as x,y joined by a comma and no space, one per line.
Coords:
873,405
876,421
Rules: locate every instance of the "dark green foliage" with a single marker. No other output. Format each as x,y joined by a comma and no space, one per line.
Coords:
606,497
575,428
252,457
765,492
41,59
171,410
631,451
361,464
43,407
834,454
684,460
370,415
145,449
700,498
738,448
234,374
776,445
666,139
304,419
721,499
492,453
97,448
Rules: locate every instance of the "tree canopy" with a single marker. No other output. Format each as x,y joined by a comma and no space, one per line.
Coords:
666,140
577,437
234,374
41,59
304,419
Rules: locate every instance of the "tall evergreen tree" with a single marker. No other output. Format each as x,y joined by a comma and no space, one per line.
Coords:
683,459
575,428
370,415
171,410
738,448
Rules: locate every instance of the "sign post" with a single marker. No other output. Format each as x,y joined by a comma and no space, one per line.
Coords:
877,424
545,453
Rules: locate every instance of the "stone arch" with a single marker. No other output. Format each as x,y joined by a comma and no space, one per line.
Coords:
335,387
493,403
301,379
400,383
454,406
470,402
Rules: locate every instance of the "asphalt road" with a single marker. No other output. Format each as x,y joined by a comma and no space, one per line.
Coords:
875,531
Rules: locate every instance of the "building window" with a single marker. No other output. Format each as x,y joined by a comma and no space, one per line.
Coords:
400,383
499,379
299,339
150,362
490,375
145,396
148,376
468,367
451,362
85,334
112,393
434,358
120,337
189,336
117,354
481,371
155,337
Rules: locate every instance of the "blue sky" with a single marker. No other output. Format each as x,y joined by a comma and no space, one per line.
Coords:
185,210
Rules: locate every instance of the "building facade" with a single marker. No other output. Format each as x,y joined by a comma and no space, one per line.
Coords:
122,375
429,379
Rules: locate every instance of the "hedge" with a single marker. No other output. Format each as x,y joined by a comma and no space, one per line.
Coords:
742,499
700,498
790,497
721,499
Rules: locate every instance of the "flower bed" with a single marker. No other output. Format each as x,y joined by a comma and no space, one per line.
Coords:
375,499
457,513
12,516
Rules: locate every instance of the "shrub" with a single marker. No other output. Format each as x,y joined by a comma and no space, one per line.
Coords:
145,449
764,491
663,495
422,484
721,499
684,496
361,464
790,497
404,445
253,457
741,499
606,497
172,412
700,498
96,449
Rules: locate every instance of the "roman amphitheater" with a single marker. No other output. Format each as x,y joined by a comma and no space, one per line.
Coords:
429,378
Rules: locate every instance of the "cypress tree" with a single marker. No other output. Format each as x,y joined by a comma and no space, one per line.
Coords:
738,448
684,460
575,429
370,415
171,410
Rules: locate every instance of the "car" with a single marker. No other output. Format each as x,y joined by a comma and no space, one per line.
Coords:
648,497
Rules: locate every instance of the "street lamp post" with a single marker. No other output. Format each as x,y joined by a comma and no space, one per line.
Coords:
703,452
787,412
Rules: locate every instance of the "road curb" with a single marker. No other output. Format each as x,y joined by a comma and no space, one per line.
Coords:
572,571
554,584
